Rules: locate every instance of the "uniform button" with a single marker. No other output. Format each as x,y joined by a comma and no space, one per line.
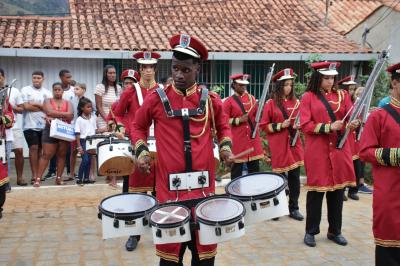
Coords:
330,143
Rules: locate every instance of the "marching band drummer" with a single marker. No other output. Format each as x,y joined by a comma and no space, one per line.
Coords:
380,146
241,108
6,122
278,121
348,84
184,115
130,101
328,169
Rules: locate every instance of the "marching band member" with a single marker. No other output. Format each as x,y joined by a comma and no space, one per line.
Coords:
130,101
380,146
278,121
241,108
185,116
6,122
328,169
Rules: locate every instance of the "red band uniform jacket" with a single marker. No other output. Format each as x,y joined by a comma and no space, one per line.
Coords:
170,148
283,157
241,131
127,107
380,146
327,168
7,121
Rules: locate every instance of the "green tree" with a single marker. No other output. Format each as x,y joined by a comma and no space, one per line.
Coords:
300,87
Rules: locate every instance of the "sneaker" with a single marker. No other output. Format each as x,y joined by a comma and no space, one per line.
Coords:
364,189
50,175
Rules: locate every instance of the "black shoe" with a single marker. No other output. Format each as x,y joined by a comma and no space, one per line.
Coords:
339,239
296,215
353,196
344,197
275,219
50,175
79,182
131,244
309,240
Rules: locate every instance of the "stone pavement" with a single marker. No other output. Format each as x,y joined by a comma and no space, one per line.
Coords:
59,226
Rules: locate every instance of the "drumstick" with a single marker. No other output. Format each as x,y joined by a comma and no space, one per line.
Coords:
242,153
294,108
344,118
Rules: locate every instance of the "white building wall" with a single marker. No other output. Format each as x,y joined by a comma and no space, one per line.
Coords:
385,33
88,71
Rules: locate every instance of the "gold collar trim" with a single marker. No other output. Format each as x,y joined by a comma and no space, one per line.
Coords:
189,91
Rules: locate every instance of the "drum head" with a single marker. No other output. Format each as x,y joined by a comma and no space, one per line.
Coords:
169,216
256,185
128,205
221,210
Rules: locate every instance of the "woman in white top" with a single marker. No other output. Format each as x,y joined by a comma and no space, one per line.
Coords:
106,94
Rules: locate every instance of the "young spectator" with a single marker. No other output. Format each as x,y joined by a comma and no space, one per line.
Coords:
106,94
33,97
79,92
85,125
55,107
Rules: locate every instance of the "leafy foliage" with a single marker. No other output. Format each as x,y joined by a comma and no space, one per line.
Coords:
300,87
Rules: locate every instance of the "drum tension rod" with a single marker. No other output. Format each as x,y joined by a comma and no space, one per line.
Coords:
158,233
276,201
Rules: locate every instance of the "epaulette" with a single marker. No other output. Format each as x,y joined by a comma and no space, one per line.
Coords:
213,94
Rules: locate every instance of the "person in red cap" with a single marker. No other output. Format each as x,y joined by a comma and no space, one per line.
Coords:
278,121
130,101
329,170
380,146
186,117
241,108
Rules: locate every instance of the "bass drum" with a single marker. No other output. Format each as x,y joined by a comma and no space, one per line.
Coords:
170,224
220,219
114,157
126,214
263,195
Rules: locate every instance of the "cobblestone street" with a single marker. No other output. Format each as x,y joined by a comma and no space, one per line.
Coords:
59,226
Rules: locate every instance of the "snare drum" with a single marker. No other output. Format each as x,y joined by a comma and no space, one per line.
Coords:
126,214
263,195
3,157
92,141
170,224
220,218
114,157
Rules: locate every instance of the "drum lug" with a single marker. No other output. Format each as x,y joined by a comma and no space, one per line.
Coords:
253,206
116,223
99,215
111,148
145,221
202,179
241,225
218,231
158,233
276,201
182,231
130,149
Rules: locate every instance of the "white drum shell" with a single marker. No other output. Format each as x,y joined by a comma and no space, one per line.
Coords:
91,144
266,210
135,227
119,160
208,236
171,235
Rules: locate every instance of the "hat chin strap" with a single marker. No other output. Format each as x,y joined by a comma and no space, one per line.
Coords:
138,93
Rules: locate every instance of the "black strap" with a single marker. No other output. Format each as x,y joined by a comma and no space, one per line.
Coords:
392,112
239,102
292,132
185,114
330,113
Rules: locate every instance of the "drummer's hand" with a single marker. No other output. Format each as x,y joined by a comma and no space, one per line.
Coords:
119,135
337,125
296,126
286,123
244,118
227,157
143,164
267,159
354,124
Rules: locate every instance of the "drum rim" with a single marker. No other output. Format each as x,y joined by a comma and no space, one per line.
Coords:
113,141
170,225
223,222
127,216
97,136
262,196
